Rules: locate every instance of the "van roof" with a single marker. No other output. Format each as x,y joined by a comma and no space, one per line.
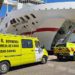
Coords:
30,37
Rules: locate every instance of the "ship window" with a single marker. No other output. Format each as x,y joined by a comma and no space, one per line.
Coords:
18,20
22,2
70,27
13,21
33,23
36,22
33,15
27,17
16,29
22,18
24,26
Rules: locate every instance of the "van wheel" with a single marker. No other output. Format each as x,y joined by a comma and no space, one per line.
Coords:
4,67
59,57
44,60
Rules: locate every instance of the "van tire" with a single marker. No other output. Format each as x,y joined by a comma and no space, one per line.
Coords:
4,67
44,60
59,57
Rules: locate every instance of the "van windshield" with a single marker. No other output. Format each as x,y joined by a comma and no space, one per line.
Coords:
61,45
37,44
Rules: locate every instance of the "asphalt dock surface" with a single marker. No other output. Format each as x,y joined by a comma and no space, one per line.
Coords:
52,67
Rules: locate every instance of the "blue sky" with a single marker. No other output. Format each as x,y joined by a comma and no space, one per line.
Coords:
3,9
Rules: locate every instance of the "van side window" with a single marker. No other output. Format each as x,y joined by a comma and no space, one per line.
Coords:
26,43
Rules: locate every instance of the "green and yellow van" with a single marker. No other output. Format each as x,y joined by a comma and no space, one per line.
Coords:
65,51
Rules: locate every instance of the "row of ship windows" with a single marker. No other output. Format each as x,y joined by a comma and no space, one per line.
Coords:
14,21
26,16
25,26
28,1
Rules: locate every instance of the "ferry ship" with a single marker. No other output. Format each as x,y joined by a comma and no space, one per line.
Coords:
50,22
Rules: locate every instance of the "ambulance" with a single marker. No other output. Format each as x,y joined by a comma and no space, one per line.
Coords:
65,47
17,50
65,51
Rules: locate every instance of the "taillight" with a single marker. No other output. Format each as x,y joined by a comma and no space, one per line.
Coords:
72,49
68,50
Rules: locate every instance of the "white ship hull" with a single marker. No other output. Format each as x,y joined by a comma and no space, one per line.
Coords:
45,21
